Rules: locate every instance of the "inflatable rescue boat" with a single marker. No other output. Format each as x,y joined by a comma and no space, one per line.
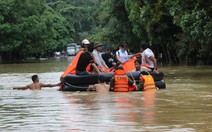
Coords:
72,82
80,83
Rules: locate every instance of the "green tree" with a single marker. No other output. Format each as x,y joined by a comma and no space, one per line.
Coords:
180,30
194,18
30,28
80,15
115,26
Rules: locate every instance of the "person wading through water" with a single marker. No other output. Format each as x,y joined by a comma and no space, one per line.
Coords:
121,82
36,85
101,87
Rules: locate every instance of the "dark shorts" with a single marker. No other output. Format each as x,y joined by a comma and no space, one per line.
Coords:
151,69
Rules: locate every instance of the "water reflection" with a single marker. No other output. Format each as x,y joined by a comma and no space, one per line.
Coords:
139,109
87,111
149,107
125,108
111,112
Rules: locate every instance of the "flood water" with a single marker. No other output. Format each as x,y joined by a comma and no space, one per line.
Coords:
184,106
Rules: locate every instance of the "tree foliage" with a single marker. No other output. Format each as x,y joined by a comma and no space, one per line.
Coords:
178,30
79,13
194,18
30,28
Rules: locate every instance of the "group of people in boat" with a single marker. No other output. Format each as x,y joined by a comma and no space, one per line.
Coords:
104,63
101,63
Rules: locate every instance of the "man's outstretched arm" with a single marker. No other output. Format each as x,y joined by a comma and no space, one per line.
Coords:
49,85
21,88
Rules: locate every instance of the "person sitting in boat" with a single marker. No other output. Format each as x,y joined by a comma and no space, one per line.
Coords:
148,57
126,48
109,58
84,60
97,56
71,69
92,70
139,67
101,87
36,85
122,55
121,82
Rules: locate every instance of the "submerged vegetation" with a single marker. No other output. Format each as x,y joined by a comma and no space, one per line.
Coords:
177,31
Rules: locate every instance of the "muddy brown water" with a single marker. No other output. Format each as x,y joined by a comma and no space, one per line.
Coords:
185,105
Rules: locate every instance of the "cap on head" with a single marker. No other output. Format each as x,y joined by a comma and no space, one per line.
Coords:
85,41
97,44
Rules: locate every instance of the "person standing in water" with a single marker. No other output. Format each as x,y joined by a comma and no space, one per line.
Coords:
120,82
101,86
36,85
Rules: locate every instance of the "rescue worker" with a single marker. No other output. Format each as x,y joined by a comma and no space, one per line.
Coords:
147,82
121,82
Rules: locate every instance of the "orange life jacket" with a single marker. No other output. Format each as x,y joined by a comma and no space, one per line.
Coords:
121,81
71,69
129,65
149,83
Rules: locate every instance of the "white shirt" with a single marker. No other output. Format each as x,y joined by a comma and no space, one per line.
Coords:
122,55
145,57
98,59
142,69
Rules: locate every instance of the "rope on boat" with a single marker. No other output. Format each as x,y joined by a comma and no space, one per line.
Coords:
76,86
